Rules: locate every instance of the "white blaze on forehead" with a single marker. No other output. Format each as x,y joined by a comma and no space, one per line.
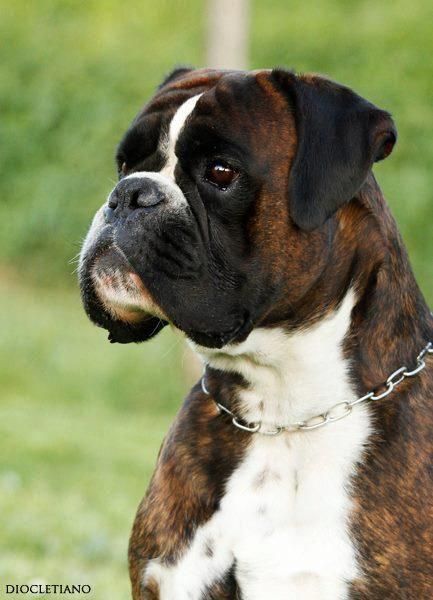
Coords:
176,126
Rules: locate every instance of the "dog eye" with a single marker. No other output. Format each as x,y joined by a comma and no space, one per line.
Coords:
220,174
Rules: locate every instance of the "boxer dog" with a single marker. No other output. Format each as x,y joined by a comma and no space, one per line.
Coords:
300,467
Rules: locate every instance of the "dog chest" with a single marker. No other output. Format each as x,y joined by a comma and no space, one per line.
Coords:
282,524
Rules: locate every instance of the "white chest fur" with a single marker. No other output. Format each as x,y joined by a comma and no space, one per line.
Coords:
283,521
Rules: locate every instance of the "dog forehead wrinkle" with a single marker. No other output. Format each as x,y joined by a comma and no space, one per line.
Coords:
176,126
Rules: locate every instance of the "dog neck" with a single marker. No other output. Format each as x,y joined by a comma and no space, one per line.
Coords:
391,321
365,318
290,376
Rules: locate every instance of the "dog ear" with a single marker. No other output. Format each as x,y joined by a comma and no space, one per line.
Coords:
340,136
174,74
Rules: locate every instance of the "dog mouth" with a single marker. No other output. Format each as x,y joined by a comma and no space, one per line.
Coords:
121,290
116,299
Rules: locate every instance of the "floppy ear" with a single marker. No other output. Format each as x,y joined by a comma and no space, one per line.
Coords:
340,136
174,74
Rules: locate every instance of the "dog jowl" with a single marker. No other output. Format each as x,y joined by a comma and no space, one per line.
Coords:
247,216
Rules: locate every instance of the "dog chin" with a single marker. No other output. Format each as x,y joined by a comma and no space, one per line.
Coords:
123,296
129,312
121,332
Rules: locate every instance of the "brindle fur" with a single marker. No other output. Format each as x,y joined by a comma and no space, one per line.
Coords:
393,520
358,246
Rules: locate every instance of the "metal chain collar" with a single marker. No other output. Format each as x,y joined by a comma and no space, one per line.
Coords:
336,412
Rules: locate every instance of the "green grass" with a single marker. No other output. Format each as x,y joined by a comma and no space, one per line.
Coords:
80,425
81,420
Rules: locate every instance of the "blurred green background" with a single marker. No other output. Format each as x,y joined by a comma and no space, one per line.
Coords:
81,420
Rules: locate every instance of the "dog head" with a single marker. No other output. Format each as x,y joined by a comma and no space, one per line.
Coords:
230,185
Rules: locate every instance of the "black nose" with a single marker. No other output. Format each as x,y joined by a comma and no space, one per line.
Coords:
132,194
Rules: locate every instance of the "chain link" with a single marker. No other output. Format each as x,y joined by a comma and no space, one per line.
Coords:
338,411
